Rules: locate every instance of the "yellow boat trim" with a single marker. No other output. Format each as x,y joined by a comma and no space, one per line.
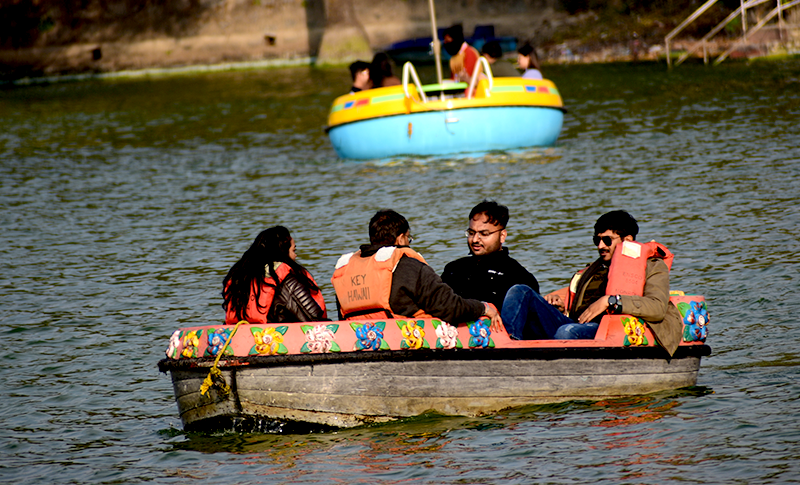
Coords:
391,101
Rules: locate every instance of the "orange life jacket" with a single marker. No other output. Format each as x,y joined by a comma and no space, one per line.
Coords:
626,275
363,285
256,312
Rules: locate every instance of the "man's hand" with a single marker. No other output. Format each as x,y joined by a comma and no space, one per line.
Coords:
497,322
556,301
593,310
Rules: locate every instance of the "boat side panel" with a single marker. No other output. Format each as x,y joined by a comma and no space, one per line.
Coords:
460,379
454,131
345,393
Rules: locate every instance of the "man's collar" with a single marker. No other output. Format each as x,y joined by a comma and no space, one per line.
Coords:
370,249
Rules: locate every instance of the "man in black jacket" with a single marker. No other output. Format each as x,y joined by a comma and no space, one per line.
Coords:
489,271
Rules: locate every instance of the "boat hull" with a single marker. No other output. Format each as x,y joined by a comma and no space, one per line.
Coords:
349,373
351,389
468,130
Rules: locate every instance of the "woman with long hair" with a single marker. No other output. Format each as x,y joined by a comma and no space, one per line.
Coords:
268,285
380,72
528,61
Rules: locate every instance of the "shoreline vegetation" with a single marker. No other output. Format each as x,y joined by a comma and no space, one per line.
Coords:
49,40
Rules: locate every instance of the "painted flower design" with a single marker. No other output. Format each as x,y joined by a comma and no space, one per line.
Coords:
174,345
695,321
634,331
480,333
319,338
267,341
370,336
216,340
190,343
413,334
448,335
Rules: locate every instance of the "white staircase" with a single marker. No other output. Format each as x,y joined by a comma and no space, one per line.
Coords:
769,19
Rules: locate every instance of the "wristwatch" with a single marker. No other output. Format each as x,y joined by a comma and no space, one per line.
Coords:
614,303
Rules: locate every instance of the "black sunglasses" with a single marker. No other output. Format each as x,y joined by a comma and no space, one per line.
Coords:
606,240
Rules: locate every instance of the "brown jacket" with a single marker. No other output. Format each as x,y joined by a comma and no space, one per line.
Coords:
655,308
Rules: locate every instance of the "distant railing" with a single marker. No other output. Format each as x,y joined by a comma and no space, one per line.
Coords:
741,11
775,11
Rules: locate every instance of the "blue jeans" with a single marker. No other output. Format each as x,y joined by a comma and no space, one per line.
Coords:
526,316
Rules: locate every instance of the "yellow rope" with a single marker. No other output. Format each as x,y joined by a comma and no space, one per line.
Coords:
215,375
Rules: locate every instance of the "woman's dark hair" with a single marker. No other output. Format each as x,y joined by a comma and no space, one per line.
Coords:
528,51
379,69
270,247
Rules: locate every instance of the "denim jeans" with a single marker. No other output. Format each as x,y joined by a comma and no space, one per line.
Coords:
526,315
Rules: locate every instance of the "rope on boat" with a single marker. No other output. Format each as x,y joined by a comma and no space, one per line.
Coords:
214,376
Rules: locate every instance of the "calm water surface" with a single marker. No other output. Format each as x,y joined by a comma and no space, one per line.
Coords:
124,203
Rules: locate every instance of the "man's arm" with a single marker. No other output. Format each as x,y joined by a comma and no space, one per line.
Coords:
416,286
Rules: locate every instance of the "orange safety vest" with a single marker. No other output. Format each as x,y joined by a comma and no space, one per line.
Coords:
363,285
626,275
256,312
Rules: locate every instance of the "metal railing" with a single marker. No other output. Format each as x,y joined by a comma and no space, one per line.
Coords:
775,11
474,79
741,11
408,70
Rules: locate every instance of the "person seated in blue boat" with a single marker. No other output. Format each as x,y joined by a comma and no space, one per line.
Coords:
528,315
488,272
380,72
528,61
359,71
388,279
463,57
493,54
268,269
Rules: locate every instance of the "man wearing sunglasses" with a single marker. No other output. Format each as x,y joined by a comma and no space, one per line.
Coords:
489,271
528,315
388,279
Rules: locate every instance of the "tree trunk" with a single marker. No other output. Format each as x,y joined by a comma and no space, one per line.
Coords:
344,39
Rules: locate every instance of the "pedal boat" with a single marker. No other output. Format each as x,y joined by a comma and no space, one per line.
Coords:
493,114
351,373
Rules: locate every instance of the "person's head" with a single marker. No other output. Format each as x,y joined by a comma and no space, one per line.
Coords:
527,58
611,229
492,51
487,228
388,228
380,68
453,39
273,244
257,264
359,71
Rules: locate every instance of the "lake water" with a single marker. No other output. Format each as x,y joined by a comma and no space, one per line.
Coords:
125,202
